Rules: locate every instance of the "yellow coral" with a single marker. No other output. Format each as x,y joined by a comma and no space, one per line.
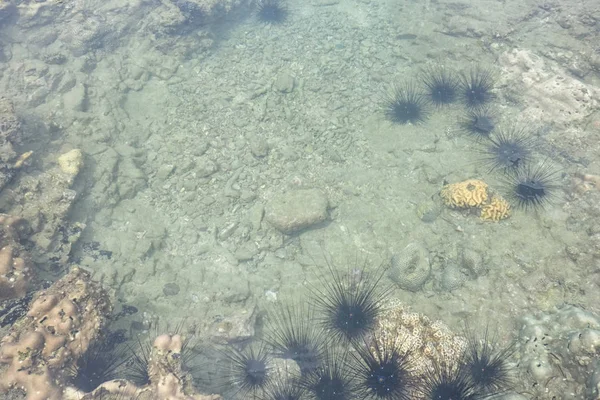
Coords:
469,193
496,210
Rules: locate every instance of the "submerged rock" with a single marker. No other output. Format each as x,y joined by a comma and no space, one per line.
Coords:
71,162
296,210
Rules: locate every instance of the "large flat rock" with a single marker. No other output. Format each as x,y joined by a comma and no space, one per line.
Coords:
295,210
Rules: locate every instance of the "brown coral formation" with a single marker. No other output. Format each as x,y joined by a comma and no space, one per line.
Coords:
16,272
426,342
38,353
497,209
466,194
475,194
61,323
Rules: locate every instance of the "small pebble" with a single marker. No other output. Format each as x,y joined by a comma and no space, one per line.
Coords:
164,171
171,289
205,168
271,296
259,147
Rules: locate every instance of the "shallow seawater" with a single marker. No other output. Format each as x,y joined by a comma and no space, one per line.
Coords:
231,163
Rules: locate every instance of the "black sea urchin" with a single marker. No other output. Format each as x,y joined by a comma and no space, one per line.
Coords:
532,187
382,372
99,364
405,104
488,369
441,84
272,11
350,304
331,380
248,370
478,123
476,87
508,150
445,382
293,334
137,366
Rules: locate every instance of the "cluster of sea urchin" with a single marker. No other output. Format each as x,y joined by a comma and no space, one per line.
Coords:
409,103
530,184
527,183
334,344
506,149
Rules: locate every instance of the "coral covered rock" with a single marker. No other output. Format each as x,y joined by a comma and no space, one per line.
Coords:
61,323
558,352
426,342
71,162
453,276
166,369
550,93
40,351
410,268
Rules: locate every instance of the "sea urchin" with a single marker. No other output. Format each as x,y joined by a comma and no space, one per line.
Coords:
331,380
405,104
448,382
476,87
488,368
272,12
350,304
294,335
441,85
249,370
100,363
478,123
532,187
382,372
508,150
